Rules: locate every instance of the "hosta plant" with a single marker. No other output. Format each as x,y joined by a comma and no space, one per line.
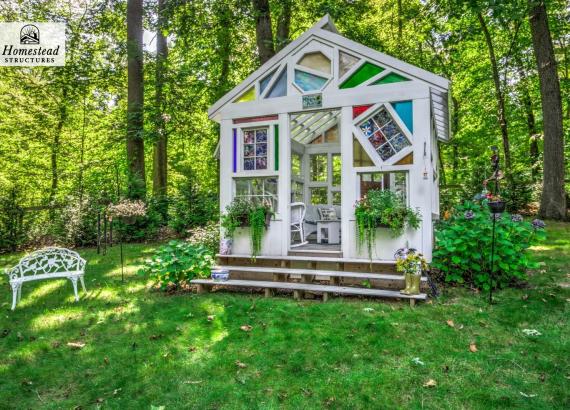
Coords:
175,264
463,246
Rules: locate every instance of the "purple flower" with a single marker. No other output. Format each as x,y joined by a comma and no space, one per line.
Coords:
403,252
516,218
538,224
469,214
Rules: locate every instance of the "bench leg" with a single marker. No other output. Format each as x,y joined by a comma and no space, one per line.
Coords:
83,284
268,292
74,283
412,302
15,291
325,296
19,293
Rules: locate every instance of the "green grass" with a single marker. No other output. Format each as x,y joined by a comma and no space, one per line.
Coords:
143,348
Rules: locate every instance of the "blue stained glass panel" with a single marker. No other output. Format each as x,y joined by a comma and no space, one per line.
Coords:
309,82
368,127
390,130
382,117
404,109
249,164
261,135
265,82
399,142
261,150
386,151
279,89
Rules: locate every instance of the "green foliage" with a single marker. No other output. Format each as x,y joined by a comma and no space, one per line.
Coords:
12,233
463,247
382,209
208,236
257,228
177,263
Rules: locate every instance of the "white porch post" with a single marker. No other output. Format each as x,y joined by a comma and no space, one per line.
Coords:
420,188
285,181
226,164
348,188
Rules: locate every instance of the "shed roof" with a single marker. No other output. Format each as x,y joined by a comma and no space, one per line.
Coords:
326,30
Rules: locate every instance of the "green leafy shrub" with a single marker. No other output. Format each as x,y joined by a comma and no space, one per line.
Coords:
177,263
382,209
463,246
241,213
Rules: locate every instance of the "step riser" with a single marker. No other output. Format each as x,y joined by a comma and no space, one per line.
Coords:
391,284
310,264
316,254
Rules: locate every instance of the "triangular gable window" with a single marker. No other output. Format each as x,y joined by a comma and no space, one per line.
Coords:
249,95
365,72
390,78
346,62
279,89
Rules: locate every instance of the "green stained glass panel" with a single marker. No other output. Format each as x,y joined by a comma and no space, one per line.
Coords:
391,78
365,72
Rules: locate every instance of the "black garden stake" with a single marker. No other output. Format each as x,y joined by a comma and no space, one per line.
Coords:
497,207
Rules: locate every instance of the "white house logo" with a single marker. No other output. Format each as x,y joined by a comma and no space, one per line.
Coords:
32,44
30,34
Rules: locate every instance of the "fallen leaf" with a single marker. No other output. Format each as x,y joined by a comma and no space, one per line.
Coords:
472,347
211,317
527,395
450,323
56,344
192,348
5,332
192,382
430,383
106,360
241,365
26,382
531,332
116,391
446,369
20,337
368,309
155,337
76,345
524,297
246,328
542,377
416,360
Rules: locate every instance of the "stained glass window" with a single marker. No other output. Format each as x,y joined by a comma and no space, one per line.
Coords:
359,156
365,72
309,82
265,82
255,149
317,61
258,190
279,88
384,134
249,95
346,62
390,78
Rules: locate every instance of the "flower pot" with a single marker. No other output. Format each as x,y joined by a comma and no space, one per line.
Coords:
220,275
497,207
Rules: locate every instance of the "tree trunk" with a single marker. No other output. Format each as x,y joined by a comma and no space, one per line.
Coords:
135,100
553,201
224,39
55,150
160,164
264,35
501,113
284,25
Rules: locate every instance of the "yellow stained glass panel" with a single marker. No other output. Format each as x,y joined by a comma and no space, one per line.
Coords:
249,95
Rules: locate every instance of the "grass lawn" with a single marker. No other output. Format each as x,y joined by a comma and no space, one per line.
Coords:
145,349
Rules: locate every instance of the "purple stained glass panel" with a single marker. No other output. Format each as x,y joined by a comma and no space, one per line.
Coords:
261,150
261,136
249,137
261,163
249,164
377,139
386,151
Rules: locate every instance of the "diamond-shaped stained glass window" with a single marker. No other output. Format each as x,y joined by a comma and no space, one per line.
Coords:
384,134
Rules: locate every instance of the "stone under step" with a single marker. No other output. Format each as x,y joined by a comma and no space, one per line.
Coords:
316,272
204,285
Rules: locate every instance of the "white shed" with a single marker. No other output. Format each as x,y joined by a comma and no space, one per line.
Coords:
321,123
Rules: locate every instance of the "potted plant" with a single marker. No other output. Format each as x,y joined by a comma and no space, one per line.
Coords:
411,263
496,204
382,209
246,213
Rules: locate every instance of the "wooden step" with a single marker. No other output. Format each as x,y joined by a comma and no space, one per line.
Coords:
316,272
311,258
298,288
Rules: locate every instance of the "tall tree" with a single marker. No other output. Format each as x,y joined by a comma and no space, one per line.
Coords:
283,24
264,35
500,97
160,163
553,201
135,100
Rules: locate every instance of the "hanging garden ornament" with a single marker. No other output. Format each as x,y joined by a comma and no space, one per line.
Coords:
496,204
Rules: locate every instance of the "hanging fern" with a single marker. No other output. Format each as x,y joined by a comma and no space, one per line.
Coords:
256,229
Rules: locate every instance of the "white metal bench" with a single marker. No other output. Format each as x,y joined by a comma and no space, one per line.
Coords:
47,263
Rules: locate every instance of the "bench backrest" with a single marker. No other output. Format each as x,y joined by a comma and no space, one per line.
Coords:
48,260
